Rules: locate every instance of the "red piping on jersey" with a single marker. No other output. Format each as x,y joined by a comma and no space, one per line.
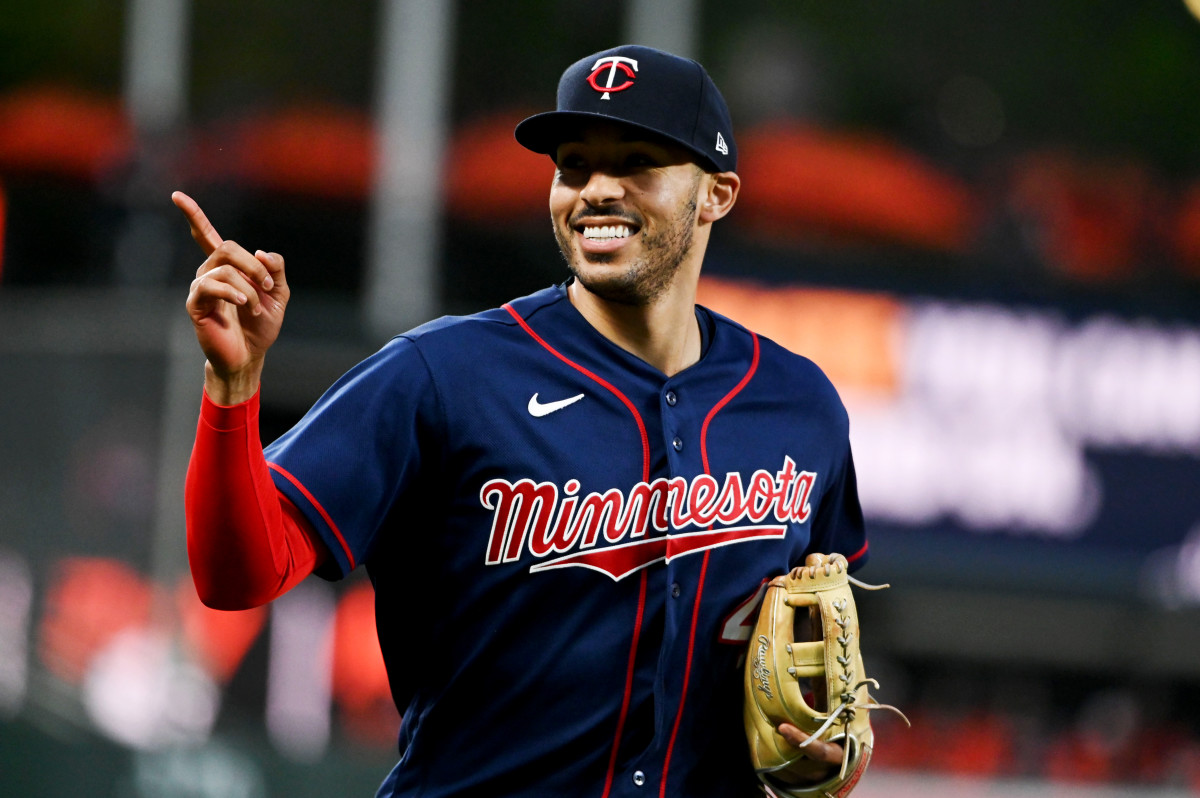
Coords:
641,610
633,646
637,417
313,501
687,670
721,404
858,553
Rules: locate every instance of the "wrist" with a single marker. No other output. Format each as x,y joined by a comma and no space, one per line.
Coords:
231,389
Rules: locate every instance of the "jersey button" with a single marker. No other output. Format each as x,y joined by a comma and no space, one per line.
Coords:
671,398
677,443
675,590
639,778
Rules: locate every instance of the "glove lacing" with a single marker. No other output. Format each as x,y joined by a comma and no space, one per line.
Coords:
849,705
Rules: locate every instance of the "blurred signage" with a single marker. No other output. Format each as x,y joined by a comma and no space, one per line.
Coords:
987,420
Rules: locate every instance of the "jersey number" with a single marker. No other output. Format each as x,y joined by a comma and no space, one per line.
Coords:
740,623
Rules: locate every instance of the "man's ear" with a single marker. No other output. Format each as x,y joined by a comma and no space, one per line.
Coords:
720,192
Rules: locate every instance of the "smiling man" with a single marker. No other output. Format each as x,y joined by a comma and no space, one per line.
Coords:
576,500
643,145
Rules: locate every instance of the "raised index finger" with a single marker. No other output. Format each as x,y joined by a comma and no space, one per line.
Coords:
202,230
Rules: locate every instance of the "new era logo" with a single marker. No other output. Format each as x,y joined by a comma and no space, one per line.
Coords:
722,147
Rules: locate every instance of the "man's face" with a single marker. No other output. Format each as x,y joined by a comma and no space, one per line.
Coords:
624,211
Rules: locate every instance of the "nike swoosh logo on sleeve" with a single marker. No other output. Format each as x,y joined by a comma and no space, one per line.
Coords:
538,409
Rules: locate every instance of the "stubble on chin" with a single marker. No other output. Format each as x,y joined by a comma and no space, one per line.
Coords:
649,276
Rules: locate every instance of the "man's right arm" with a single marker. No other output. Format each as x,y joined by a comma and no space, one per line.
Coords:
246,543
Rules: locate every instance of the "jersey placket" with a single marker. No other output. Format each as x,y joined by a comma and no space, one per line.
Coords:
685,418
676,588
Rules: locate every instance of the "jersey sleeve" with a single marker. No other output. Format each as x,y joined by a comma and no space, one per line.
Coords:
838,525
358,450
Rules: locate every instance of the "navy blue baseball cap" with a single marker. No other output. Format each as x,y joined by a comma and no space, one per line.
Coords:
644,88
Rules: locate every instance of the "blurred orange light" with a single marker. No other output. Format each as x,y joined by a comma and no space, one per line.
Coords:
62,131
218,639
360,680
89,601
804,182
853,337
1090,219
1187,231
3,218
314,150
491,179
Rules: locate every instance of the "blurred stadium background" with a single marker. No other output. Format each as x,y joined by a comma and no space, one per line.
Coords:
982,219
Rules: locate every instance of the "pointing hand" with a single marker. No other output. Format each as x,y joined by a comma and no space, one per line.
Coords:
236,304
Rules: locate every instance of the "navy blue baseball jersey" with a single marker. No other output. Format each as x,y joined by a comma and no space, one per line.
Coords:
567,546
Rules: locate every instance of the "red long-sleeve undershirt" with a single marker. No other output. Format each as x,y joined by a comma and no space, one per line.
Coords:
247,543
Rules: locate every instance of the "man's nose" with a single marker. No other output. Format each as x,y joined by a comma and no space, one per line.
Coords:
602,187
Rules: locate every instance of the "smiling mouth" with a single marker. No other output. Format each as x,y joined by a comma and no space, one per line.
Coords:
606,232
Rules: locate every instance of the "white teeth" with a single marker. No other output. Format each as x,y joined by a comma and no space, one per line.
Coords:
610,231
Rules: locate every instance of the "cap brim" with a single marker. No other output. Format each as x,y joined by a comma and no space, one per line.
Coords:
542,133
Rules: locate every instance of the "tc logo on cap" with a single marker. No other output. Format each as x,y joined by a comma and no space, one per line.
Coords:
610,65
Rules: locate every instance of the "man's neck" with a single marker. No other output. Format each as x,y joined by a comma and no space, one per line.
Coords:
664,334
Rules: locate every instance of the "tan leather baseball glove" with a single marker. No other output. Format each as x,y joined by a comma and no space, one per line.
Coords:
804,667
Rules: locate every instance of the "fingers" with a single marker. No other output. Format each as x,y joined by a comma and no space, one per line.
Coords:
230,274
223,283
273,262
262,269
818,750
233,275
253,267
202,230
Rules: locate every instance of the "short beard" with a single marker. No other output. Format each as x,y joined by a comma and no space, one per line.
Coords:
648,278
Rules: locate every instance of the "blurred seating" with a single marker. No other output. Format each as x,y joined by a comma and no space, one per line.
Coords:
3,222
217,640
360,681
61,131
1083,220
801,182
89,601
1185,233
1091,220
1109,735
490,179
314,150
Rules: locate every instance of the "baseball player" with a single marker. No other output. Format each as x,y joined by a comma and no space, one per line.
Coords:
570,505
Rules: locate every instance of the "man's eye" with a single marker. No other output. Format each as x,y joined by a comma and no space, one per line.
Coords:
571,162
639,160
